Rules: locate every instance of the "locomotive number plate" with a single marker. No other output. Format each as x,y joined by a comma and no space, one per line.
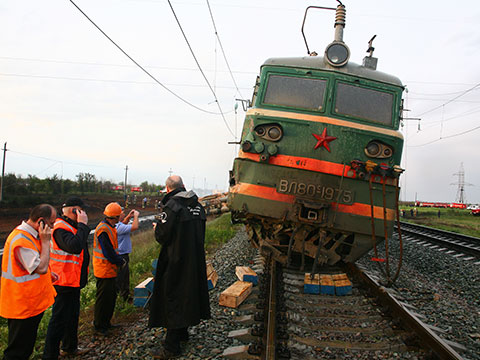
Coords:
318,192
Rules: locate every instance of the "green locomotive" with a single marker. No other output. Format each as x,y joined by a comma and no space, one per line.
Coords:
318,170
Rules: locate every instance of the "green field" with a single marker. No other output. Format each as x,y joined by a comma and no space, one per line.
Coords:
145,249
455,220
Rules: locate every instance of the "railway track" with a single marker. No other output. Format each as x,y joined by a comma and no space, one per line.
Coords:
462,245
371,322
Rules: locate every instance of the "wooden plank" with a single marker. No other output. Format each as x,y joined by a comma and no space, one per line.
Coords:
140,301
212,280
235,294
343,287
311,286
144,288
154,266
210,269
337,277
327,286
244,273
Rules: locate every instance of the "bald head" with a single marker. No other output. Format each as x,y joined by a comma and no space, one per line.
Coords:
174,182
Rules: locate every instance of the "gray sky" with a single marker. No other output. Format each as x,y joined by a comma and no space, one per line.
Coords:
72,102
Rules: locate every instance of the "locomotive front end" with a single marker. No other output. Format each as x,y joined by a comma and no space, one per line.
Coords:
318,169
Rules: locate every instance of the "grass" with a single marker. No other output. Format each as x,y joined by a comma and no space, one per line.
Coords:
454,220
145,249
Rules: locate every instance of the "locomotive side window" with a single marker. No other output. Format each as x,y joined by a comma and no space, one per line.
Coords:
295,92
363,103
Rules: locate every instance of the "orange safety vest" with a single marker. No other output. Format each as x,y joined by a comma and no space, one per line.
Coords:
23,295
102,268
67,266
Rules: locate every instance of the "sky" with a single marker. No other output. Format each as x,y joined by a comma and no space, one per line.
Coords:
72,102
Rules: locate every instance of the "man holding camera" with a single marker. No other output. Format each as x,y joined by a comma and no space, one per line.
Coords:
180,291
124,249
106,263
69,259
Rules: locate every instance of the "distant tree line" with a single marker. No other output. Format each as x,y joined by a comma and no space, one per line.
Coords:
15,186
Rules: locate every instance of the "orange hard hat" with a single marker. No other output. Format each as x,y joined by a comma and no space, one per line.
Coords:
113,209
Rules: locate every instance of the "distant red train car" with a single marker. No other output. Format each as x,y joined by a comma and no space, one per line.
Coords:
458,206
441,205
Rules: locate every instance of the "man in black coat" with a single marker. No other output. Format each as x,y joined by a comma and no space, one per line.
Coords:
180,293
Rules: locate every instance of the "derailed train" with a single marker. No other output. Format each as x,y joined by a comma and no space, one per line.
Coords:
318,169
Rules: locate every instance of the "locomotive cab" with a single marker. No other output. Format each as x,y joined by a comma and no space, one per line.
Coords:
318,167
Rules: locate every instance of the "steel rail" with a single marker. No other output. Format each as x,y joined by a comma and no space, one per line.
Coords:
450,234
427,337
270,343
462,243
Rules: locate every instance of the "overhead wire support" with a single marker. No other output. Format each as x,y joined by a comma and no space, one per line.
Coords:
223,51
200,68
140,66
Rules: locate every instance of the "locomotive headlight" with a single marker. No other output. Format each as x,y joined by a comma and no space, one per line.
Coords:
274,133
372,149
379,150
271,132
337,53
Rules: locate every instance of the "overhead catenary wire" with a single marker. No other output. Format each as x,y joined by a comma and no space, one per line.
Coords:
109,80
56,61
447,137
223,51
200,68
61,161
140,66
449,101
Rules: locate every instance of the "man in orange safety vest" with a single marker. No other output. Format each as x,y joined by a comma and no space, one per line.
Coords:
106,263
69,258
26,285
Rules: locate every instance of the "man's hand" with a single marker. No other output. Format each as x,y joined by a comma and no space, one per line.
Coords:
154,225
44,233
82,217
130,214
135,213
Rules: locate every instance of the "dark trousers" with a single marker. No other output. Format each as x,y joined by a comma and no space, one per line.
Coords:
123,278
104,303
22,334
63,325
173,338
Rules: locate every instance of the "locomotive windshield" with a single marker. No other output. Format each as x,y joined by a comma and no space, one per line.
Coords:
363,103
295,92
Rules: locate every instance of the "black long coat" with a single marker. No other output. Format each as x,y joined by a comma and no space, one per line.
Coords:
180,292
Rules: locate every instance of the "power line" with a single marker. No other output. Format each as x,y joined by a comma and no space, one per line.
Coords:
447,137
449,101
221,47
439,94
54,61
106,80
139,66
60,161
200,68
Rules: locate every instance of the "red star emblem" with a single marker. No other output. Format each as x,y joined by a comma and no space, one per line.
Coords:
323,140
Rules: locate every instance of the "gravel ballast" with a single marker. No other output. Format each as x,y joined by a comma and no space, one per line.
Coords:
443,288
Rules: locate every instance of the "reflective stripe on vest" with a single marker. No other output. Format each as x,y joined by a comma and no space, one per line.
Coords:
102,267
9,273
97,249
66,265
23,295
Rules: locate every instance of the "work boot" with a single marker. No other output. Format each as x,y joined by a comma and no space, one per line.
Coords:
79,351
